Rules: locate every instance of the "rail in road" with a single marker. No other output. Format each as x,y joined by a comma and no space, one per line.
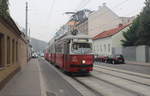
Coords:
106,81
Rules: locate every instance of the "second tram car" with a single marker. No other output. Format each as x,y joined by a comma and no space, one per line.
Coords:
71,53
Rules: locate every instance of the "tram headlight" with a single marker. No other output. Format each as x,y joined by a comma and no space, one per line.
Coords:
83,61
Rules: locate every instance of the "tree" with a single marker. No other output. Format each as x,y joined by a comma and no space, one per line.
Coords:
4,8
144,28
130,35
139,32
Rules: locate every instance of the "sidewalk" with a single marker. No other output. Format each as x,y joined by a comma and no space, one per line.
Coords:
24,83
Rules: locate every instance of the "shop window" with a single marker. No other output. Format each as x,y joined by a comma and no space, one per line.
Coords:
8,50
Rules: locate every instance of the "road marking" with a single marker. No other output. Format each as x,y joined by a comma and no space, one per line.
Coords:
42,84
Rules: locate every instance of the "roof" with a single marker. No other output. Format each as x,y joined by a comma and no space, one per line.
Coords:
110,32
11,23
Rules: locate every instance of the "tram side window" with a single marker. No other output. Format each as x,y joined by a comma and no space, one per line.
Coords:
66,48
59,49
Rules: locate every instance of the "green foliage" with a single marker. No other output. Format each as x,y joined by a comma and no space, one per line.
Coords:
139,32
130,35
4,8
144,28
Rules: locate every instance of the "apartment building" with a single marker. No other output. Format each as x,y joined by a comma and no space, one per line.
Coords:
104,19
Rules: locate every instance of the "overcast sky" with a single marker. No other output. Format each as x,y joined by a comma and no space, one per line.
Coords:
46,16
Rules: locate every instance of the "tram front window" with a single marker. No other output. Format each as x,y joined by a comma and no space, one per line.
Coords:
81,48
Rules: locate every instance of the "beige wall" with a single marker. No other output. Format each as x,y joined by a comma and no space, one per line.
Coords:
101,20
17,50
103,47
116,39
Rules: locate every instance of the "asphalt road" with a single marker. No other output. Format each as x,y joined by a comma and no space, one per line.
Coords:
145,69
55,84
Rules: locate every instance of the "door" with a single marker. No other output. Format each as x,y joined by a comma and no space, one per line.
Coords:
66,54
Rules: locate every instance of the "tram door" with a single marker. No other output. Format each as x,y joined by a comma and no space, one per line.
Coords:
66,55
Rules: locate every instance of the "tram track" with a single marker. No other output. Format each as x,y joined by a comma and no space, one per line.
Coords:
124,78
131,82
96,84
105,88
89,88
123,71
136,93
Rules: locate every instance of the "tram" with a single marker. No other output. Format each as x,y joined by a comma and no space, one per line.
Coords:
71,53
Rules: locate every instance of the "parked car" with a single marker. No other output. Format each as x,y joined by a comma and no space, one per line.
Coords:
115,59
102,58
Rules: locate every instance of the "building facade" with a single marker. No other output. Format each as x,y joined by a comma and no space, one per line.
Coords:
104,19
109,42
13,49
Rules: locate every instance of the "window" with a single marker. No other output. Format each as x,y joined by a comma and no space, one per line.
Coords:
13,51
1,51
16,51
108,47
8,50
105,47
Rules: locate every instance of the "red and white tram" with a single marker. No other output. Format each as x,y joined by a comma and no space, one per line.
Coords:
72,53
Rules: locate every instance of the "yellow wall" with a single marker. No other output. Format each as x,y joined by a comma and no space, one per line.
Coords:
15,64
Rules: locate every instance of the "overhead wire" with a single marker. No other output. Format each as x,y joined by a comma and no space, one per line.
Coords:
50,12
51,9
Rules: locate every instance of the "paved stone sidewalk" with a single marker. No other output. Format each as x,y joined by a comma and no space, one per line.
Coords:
24,83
